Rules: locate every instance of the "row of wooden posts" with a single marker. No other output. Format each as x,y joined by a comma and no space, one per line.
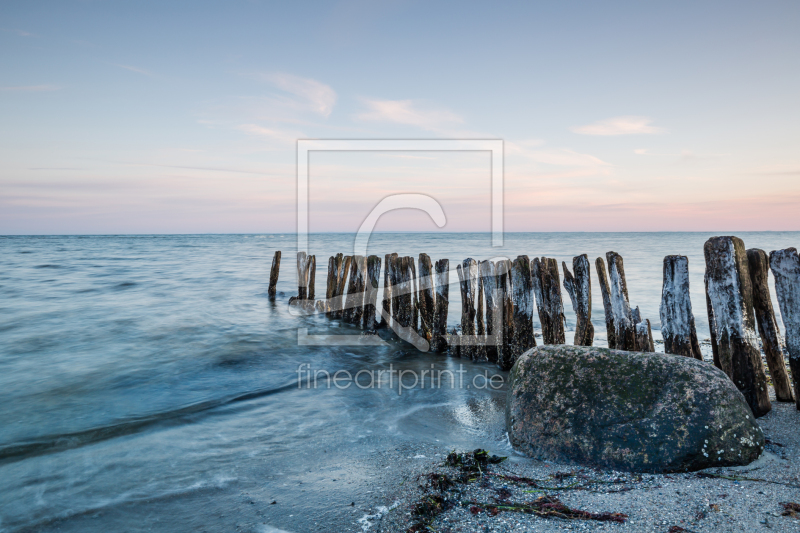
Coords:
498,299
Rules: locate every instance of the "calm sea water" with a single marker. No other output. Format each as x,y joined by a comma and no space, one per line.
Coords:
147,382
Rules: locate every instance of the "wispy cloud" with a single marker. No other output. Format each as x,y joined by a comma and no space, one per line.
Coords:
21,33
134,69
410,113
283,136
627,125
30,88
312,94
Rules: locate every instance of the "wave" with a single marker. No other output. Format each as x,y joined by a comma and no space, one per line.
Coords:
65,441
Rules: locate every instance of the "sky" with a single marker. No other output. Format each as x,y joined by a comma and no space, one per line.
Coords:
183,117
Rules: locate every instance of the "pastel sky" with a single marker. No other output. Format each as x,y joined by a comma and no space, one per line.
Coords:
183,117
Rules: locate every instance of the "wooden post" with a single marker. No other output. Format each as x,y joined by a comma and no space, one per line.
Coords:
490,286
505,355
341,285
360,290
711,328
468,281
387,292
620,305
579,288
677,319
731,297
312,274
785,265
373,274
273,274
611,328
547,287
334,266
350,295
442,287
758,265
414,293
394,283
522,297
427,299
302,275
405,297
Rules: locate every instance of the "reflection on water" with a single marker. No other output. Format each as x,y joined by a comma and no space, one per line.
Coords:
146,373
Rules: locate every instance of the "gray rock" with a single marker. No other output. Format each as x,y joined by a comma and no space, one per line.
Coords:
645,412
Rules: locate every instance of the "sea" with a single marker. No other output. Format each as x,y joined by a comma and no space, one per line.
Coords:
148,382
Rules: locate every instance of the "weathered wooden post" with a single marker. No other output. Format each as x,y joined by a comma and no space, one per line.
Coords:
350,300
758,265
341,286
387,293
303,264
620,305
394,282
414,293
579,288
334,266
785,265
360,294
468,281
608,310
711,328
373,275
442,302
491,290
312,274
547,288
505,356
427,300
273,274
677,319
405,297
731,297
522,292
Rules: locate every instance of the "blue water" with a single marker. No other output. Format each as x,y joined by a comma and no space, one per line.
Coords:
148,381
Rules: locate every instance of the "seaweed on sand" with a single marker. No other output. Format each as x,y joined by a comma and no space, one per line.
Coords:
473,466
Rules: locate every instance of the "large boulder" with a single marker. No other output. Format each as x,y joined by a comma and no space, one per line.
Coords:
644,412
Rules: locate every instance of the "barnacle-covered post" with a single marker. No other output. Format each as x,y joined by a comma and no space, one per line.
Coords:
523,307
677,319
442,303
547,288
579,288
785,265
731,295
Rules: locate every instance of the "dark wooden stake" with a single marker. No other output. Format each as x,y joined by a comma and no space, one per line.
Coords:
579,288
758,265
442,287
414,293
273,274
620,305
611,328
491,291
731,295
372,280
387,293
505,356
677,319
303,263
547,288
468,281
785,265
522,291
427,298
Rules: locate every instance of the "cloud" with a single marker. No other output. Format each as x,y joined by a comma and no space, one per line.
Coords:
283,136
134,69
409,113
31,88
641,151
21,33
313,94
627,125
